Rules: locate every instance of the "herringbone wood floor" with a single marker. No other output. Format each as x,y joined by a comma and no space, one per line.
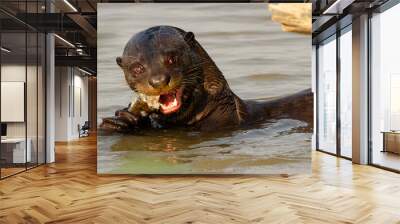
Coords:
69,191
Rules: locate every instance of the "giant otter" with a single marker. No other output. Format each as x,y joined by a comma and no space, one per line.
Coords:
167,65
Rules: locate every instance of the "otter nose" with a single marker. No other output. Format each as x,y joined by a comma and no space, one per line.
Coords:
159,81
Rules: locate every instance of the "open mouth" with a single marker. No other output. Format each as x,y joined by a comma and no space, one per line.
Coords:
170,102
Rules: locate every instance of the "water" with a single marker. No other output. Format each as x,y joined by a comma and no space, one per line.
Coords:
258,60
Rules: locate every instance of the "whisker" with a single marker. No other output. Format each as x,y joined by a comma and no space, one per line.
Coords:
194,66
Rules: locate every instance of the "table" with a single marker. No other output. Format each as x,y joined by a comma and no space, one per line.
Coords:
18,149
391,141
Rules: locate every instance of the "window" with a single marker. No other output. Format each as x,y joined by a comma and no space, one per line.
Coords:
22,75
385,89
327,95
346,93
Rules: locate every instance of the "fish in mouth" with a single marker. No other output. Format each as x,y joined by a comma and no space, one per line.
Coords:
167,103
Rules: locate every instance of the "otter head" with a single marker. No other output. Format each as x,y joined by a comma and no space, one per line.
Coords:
161,61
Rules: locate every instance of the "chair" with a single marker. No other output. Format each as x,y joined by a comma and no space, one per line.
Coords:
84,130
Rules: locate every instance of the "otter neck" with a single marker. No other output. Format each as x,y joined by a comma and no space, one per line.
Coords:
219,95
214,82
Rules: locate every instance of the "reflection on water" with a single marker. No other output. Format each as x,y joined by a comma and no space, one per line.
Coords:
256,57
270,148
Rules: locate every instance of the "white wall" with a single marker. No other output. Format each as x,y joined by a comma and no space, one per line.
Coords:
13,100
80,104
70,84
16,73
33,126
12,73
62,81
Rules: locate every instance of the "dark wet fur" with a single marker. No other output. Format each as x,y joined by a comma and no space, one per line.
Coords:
209,104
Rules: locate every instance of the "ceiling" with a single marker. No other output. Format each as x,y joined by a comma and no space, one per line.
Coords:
74,22
332,15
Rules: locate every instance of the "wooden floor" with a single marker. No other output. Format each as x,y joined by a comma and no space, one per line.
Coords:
387,159
69,191
11,170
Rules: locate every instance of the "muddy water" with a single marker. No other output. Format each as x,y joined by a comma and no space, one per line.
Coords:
258,60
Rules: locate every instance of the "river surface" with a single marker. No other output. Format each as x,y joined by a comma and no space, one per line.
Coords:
257,58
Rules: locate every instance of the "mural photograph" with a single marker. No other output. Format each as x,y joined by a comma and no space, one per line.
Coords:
203,89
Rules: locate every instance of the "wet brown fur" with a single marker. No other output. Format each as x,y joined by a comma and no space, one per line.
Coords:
209,103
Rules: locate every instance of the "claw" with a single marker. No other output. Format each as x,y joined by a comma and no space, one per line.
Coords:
114,124
127,116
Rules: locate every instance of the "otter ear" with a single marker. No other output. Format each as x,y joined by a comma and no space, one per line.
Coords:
189,38
119,61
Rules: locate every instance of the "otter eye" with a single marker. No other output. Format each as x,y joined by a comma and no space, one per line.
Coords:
137,69
171,59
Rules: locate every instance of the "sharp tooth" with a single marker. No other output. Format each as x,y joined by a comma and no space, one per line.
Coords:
175,103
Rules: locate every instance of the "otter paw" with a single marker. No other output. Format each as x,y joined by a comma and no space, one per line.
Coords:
127,117
115,124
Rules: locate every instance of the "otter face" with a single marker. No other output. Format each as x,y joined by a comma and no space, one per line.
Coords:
160,62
